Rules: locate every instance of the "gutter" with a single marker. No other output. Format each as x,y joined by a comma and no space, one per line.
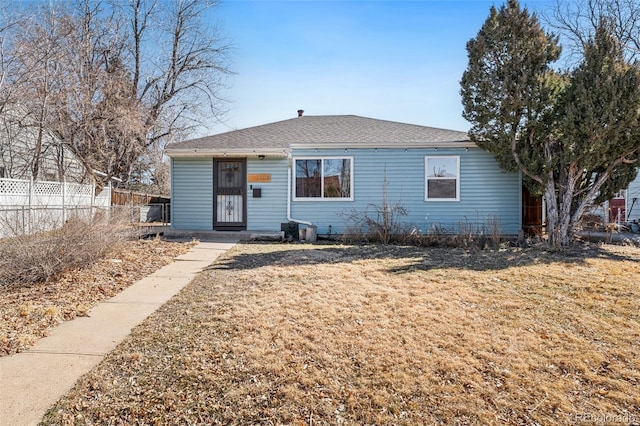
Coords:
289,218
380,145
102,174
231,152
633,203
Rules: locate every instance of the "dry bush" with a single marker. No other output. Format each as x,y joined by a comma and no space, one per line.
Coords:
29,258
591,222
482,234
378,222
381,224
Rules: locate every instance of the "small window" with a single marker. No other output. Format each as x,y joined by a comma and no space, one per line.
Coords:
442,178
324,178
620,194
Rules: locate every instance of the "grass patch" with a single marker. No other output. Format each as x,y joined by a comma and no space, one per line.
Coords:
291,334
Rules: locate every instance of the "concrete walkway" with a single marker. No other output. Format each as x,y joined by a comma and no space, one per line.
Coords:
32,381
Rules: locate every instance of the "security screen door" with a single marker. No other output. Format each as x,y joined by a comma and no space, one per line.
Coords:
229,191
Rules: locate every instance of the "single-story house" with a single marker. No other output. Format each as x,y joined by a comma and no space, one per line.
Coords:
320,169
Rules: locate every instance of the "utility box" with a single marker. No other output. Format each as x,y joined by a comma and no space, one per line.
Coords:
257,192
312,233
290,230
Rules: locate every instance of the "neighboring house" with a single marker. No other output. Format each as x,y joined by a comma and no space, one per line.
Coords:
625,206
632,210
19,151
320,169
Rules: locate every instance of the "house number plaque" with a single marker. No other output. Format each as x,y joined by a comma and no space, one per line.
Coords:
259,177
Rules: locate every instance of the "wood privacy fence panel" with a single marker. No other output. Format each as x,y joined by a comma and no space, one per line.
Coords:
121,197
143,207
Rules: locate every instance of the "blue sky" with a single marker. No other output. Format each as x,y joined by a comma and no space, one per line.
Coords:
392,60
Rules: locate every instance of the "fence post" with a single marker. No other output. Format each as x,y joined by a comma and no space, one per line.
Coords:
110,200
27,227
93,201
64,193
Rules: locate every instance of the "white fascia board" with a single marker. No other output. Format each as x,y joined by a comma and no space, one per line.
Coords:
233,152
346,145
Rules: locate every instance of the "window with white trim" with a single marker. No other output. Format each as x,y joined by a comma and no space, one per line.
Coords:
442,178
329,178
620,194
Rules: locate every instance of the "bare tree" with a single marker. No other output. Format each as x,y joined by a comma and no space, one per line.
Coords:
38,55
114,81
578,20
9,24
189,74
30,71
95,115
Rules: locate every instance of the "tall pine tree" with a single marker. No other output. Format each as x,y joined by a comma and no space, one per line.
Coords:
599,129
574,136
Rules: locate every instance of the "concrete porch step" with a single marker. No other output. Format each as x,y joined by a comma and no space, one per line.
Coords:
224,235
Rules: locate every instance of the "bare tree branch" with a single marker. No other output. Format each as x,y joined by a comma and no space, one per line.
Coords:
96,74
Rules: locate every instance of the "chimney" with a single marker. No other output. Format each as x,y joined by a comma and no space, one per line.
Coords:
300,112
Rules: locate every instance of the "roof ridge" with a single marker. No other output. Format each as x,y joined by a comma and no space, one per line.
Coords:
377,119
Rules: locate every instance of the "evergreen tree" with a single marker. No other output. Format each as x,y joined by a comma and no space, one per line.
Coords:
599,128
574,136
509,90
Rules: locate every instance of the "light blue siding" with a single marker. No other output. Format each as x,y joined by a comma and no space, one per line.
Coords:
486,192
270,210
633,199
192,194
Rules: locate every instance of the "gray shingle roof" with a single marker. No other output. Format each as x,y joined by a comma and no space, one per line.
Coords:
351,130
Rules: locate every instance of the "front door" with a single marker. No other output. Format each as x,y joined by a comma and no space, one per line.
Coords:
531,213
617,211
229,193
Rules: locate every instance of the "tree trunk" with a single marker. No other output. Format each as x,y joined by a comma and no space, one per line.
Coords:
560,222
37,150
564,233
552,211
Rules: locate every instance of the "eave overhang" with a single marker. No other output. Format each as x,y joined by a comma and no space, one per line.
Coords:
283,152
231,153
380,145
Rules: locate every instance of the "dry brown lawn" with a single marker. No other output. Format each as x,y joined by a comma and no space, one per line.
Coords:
355,335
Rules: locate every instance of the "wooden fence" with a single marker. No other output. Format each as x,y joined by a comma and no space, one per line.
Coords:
146,207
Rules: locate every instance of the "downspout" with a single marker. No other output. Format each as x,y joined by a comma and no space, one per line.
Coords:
633,202
289,218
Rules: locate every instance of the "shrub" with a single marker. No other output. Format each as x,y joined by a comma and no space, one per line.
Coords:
30,258
382,224
378,222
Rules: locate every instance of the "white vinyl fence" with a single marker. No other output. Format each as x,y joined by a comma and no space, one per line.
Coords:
33,206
